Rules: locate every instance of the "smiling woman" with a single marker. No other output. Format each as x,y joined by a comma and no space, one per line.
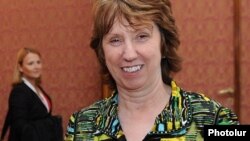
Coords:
133,54
136,43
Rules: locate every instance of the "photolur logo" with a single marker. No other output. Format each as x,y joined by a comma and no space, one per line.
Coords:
215,132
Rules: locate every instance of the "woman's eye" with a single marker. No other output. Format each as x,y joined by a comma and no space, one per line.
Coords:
30,63
142,37
39,62
115,42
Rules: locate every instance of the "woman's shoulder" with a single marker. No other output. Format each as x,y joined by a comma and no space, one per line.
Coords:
209,111
19,89
197,96
90,112
200,102
84,118
19,86
98,107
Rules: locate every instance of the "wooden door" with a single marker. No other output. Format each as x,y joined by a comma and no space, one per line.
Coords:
245,62
207,47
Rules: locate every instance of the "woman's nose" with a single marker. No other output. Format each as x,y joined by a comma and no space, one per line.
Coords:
130,52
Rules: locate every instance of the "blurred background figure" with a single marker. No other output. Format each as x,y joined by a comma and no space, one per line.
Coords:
29,116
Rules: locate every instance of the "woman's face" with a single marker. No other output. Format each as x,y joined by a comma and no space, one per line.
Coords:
133,55
31,67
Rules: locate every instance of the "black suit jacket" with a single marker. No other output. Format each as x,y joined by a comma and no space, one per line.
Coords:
28,117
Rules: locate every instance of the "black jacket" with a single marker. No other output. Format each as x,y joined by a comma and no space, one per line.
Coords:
29,119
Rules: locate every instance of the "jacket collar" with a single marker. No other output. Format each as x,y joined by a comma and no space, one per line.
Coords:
29,85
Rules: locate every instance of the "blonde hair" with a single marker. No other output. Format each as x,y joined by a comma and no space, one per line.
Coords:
17,77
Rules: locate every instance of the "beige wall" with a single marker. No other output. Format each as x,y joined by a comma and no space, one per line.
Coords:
60,29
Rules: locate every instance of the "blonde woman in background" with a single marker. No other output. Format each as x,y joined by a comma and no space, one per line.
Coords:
29,115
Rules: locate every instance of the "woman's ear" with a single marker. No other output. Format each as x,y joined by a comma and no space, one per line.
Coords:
20,68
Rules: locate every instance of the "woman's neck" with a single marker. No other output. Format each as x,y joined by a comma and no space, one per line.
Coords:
32,84
31,81
152,98
138,110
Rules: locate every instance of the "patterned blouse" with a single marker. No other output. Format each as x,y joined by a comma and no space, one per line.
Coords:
182,120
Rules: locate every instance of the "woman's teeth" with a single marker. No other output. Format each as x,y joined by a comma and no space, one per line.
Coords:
132,69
